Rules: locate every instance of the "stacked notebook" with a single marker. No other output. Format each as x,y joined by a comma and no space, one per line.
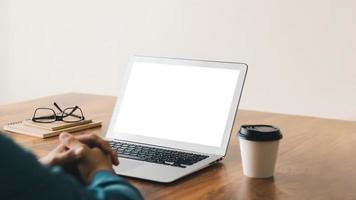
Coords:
45,130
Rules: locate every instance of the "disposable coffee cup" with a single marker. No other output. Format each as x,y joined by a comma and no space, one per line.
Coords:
259,147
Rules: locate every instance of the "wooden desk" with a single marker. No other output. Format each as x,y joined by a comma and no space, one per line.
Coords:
316,157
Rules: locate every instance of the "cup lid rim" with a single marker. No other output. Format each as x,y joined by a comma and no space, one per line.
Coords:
260,132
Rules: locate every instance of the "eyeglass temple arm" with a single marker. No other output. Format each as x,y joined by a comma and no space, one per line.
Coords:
44,117
71,112
56,105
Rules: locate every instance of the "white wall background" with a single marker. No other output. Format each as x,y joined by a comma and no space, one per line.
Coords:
301,53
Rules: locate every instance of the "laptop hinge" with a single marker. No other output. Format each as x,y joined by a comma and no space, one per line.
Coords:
216,161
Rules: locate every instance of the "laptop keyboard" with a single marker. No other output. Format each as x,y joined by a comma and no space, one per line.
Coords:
155,155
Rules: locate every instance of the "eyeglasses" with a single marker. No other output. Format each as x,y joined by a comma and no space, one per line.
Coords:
48,115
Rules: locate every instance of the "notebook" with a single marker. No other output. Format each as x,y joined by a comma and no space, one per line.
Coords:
22,128
58,125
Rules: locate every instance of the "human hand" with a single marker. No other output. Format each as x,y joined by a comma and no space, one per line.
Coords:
90,160
61,155
93,140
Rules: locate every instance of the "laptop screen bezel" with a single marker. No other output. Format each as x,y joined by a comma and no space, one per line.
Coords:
112,134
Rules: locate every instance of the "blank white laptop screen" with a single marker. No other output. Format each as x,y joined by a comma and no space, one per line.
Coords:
177,102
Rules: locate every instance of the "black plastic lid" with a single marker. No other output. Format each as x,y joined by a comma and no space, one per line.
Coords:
260,132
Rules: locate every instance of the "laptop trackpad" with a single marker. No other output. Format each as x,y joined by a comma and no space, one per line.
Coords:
127,165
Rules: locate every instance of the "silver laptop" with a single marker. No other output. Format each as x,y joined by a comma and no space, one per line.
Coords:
174,116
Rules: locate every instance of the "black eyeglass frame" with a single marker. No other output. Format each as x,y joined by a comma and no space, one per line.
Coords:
55,117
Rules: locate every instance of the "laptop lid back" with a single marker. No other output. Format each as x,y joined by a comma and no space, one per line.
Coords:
178,103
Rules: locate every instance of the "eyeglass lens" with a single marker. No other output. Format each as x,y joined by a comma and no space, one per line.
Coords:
45,115
72,114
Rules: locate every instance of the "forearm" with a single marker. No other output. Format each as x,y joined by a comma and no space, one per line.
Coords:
104,186
107,185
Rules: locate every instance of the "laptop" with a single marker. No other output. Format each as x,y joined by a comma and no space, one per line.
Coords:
174,116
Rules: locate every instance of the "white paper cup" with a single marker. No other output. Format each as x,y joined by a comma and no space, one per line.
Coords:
259,148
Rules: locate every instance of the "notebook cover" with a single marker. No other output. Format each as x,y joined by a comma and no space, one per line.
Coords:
58,125
21,128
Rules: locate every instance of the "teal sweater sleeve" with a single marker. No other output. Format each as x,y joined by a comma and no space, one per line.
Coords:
23,177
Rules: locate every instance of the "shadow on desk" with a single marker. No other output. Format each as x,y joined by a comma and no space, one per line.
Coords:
250,188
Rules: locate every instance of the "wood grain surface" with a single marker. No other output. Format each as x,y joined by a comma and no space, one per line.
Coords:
316,159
